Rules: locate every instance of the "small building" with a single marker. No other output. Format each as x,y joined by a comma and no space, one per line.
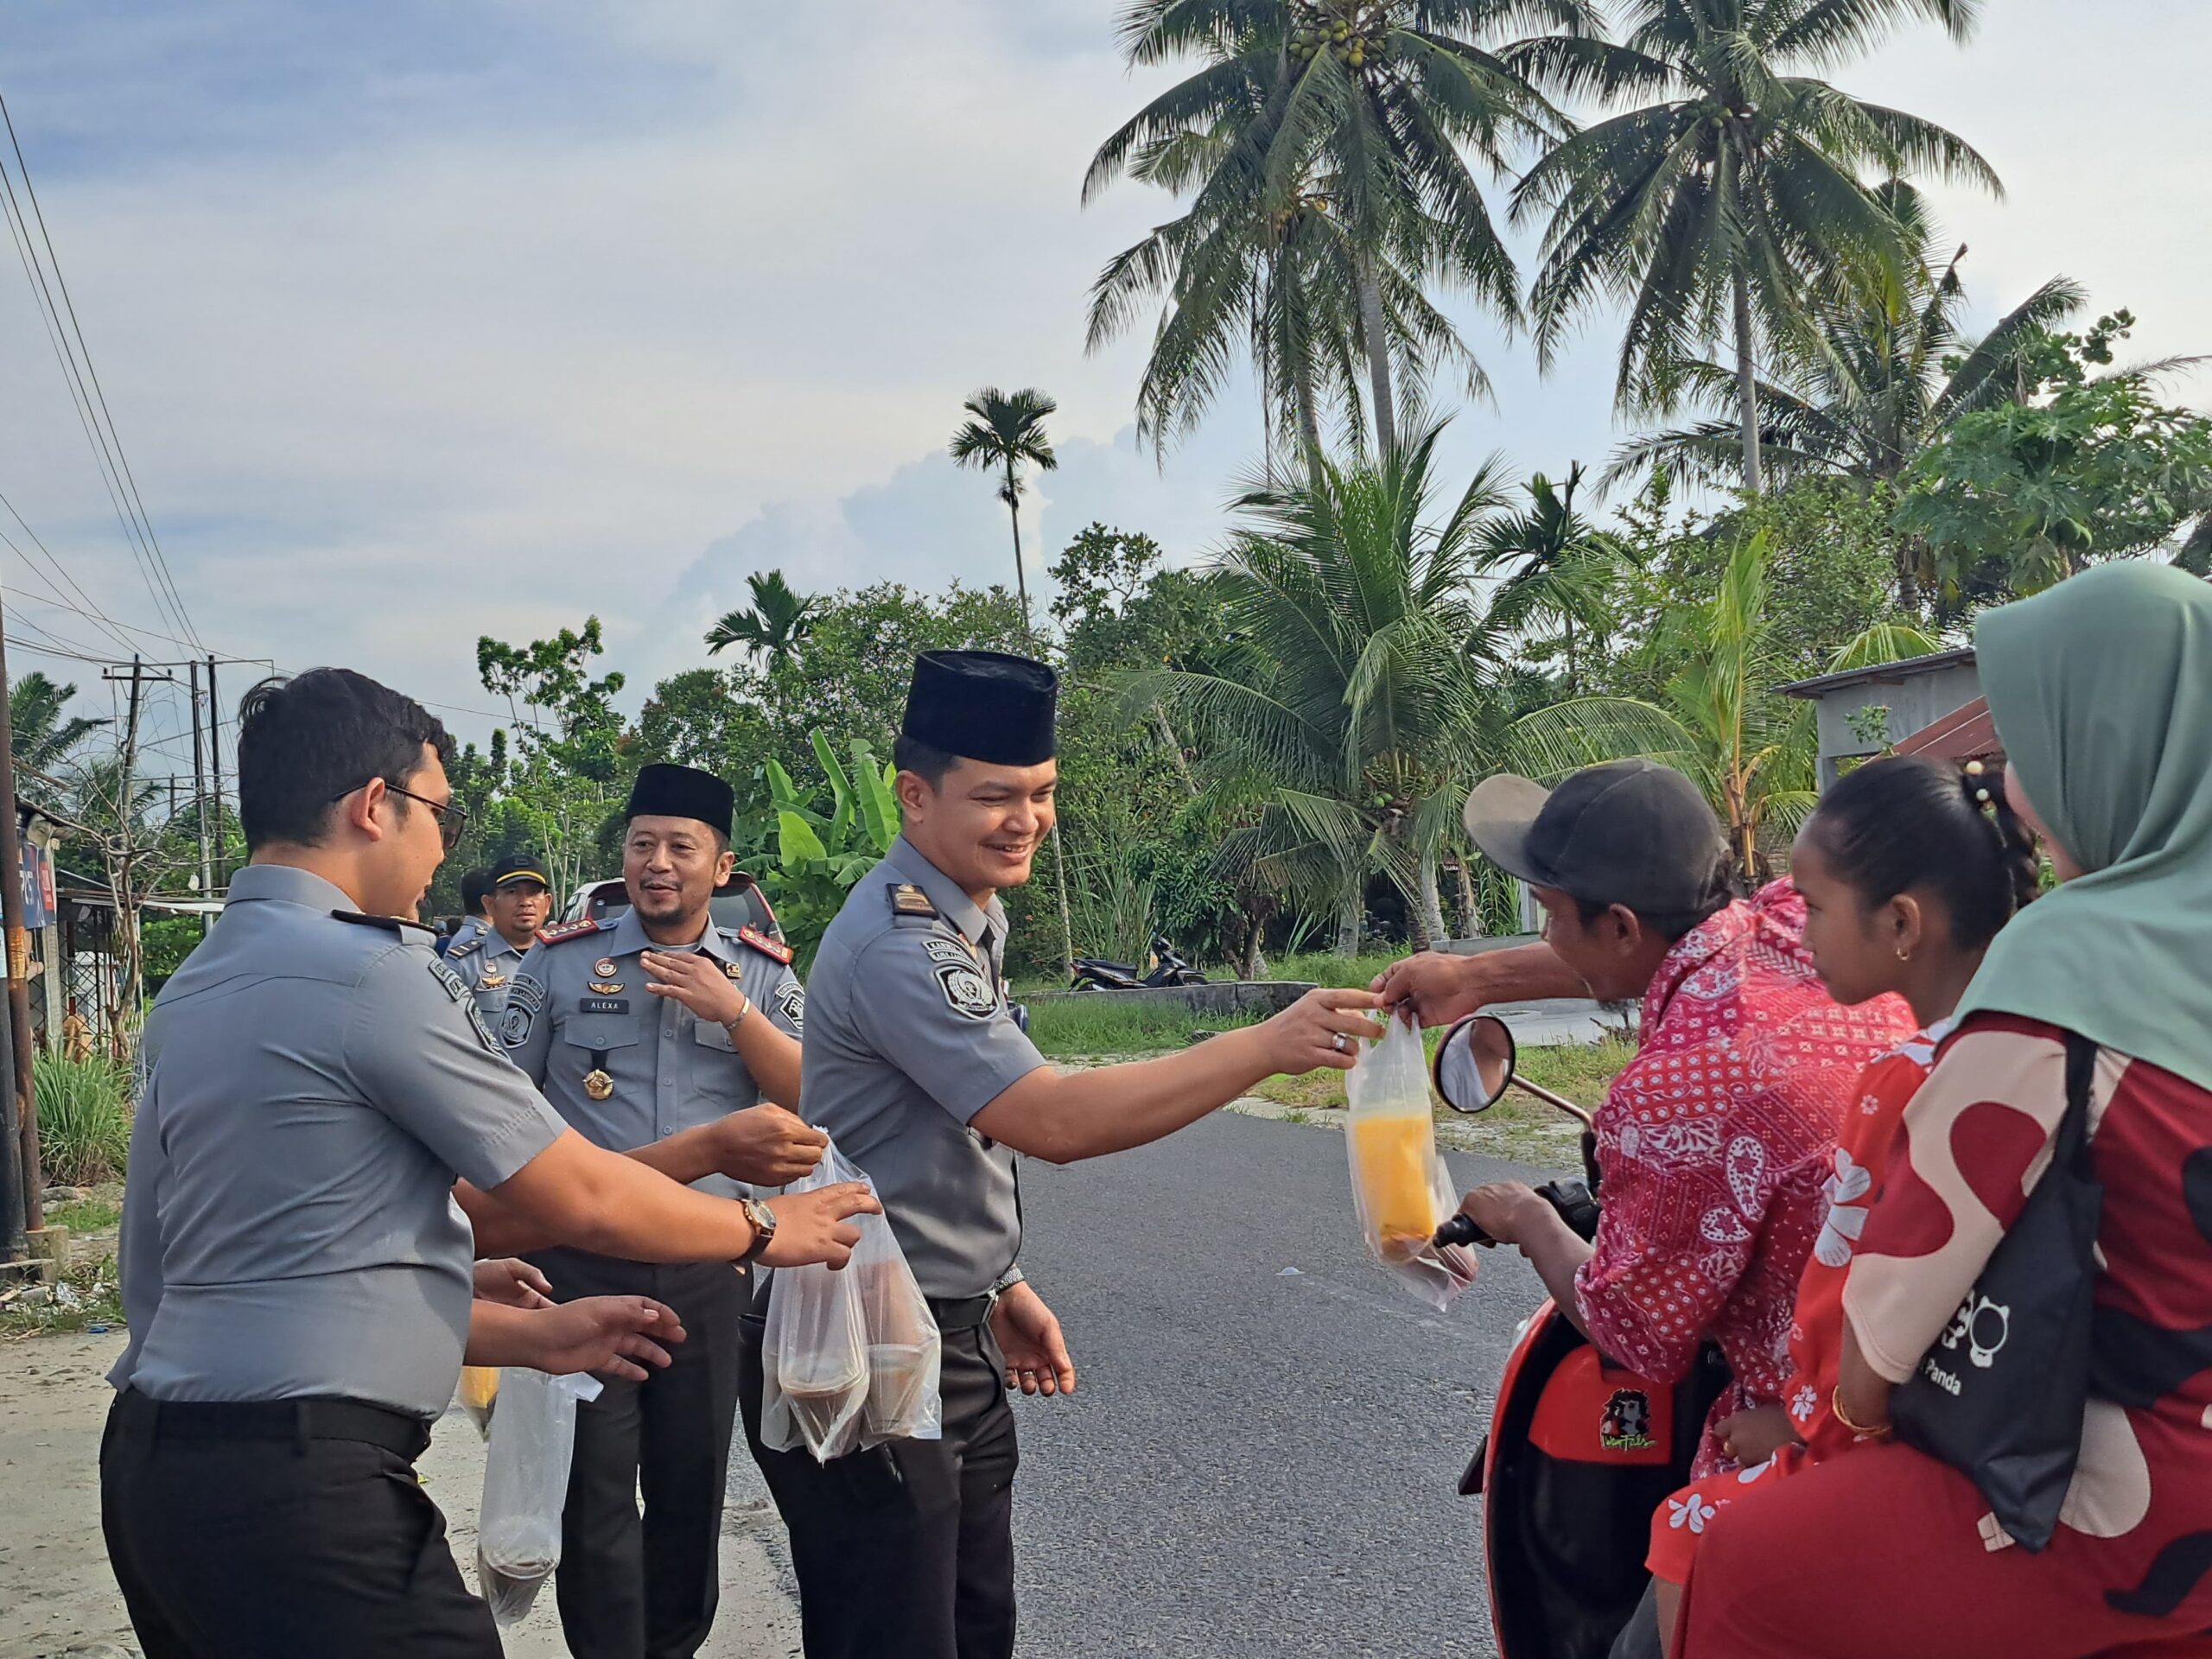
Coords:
1865,711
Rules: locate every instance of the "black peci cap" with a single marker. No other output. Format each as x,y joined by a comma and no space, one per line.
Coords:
519,866
1630,832
983,705
669,791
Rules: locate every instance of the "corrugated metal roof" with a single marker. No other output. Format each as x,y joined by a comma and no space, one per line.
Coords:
1965,733
1911,667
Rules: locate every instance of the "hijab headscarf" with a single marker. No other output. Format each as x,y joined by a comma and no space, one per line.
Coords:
2101,691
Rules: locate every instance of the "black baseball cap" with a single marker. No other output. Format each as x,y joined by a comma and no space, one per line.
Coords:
1630,832
518,866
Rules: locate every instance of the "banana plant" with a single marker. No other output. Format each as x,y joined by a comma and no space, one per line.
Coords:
819,855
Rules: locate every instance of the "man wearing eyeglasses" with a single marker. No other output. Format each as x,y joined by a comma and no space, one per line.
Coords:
519,898
296,1274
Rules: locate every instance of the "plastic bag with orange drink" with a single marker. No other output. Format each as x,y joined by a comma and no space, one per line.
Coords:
1400,1186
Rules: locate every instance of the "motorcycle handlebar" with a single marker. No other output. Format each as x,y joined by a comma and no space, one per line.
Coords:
1571,1199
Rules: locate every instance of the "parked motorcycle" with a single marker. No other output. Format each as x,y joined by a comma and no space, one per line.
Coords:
1580,1450
1163,965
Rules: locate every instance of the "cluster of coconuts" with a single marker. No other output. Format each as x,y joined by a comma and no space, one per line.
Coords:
1349,38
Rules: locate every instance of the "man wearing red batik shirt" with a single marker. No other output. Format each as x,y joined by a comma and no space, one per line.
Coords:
1713,1144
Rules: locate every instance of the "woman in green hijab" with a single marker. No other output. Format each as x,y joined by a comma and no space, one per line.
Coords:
2102,691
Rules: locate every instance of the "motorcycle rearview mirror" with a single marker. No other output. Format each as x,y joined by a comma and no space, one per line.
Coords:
1476,1063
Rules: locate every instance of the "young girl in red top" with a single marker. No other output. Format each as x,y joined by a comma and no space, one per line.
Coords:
1907,870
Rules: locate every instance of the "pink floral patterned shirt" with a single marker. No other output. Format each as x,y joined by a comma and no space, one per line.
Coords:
1713,1145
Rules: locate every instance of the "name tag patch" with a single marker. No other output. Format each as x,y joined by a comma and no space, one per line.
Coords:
952,951
967,992
603,1005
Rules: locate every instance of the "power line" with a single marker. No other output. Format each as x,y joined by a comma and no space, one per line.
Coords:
85,352
94,610
106,443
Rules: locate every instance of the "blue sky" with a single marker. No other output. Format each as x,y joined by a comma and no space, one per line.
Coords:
425,320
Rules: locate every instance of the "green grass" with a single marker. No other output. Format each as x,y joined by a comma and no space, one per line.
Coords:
93,1215
84,1119
1103,1022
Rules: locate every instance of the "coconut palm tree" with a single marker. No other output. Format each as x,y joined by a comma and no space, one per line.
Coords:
1731,186
1348,712
1008,432
1892,370
776,625
1558,570
44,734
1376,104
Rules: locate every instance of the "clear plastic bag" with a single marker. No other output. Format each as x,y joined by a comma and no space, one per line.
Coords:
1400,1187
850,1359
526,1486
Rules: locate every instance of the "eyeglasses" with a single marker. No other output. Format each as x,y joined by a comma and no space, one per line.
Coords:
452,820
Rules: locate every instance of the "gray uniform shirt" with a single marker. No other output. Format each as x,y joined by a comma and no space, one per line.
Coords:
579,1004
912,1038
486,964
312,1087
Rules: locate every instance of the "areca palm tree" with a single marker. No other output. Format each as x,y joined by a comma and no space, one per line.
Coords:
1008,432
1733,187
1376,104
776,625
1559,570
1349,712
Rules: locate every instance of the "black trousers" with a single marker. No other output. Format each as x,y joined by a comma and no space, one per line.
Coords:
906,1548
632,1588
274,1531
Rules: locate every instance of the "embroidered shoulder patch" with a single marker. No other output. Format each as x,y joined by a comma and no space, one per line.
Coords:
967,992
457,989
774,950
791,1001
567,931
526,1002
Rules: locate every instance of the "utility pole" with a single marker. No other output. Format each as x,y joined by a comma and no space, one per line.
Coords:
215,766
22,1208
199,797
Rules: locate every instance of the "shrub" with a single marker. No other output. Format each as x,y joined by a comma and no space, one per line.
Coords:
84,1119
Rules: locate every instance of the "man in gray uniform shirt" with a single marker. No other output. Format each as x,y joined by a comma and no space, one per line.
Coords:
295,1269
922,1076
641,1028
519,898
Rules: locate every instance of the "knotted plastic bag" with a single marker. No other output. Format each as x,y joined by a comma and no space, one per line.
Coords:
1400,1187
526,1486
850,1359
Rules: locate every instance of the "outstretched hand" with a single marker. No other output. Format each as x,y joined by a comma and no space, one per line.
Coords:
512,1282
1322,1027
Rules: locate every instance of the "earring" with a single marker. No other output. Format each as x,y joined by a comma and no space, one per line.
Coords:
1903,955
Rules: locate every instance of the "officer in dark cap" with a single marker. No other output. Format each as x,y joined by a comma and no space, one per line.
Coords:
924,1077
518,899
641,1027
295,1273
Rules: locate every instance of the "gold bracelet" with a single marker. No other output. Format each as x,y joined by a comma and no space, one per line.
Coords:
1835,1405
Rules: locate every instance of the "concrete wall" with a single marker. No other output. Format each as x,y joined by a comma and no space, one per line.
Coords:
1913,700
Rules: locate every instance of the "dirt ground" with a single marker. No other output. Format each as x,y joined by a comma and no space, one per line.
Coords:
57,1599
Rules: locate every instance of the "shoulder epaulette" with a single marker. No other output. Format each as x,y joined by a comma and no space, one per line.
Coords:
907,899
468,946
398,925
774,950
567,931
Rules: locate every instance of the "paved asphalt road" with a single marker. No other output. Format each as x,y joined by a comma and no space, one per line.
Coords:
1256,1463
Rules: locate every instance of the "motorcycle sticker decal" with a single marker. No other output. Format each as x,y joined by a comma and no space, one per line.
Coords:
1626,1425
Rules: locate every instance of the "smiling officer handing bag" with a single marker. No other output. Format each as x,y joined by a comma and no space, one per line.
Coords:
920,1074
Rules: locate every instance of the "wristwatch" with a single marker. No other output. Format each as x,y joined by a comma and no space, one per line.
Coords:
764,1230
